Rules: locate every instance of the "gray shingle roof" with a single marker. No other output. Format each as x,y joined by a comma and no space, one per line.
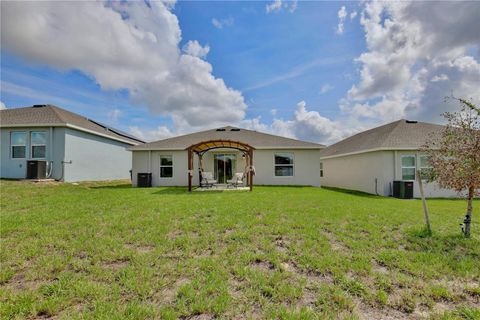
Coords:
253,138
50,115
398,135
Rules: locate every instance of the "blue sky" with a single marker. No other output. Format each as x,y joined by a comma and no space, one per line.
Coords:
289,70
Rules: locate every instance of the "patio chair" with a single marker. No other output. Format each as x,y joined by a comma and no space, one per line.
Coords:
208,180
236,180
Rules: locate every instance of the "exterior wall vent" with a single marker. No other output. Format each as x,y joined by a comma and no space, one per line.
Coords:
221,129
234,129
39,105
411,121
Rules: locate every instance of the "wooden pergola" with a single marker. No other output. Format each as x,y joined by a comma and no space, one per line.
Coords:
201,148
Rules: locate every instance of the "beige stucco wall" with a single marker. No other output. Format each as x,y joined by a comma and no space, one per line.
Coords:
359,171
306,167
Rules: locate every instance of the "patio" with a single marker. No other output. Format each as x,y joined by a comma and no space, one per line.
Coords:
222,187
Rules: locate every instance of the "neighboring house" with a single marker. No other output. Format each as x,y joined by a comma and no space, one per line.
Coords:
224,152
69,146
372,160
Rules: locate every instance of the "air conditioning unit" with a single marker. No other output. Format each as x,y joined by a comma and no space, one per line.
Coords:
144,180
36,169
403,189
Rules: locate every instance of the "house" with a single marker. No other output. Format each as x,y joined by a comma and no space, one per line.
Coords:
266,158
45,141
372,160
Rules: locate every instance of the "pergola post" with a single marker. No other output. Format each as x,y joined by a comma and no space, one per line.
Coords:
200,168
190,170
250,173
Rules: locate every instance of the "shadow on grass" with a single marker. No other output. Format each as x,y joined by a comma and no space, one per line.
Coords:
113,186
182,190
355,193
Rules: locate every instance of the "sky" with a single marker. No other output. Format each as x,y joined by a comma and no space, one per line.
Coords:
316,71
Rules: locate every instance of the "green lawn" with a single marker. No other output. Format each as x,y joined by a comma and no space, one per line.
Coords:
109,251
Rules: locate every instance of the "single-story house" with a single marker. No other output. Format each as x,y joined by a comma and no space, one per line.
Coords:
372,160
45,141
224,152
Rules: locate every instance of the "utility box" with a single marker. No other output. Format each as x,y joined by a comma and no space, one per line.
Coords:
144,180
36,169
403,189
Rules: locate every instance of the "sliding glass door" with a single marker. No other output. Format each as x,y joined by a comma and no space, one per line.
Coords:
224,166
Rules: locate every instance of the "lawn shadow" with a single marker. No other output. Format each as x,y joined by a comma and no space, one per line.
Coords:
355,193
113,186
182,190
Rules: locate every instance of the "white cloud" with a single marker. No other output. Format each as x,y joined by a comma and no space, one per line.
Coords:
219,24
417,53
273,112
353,14
442,77
2,106
277,5
130,45
342,14
114,114
159,133
194,48
325,88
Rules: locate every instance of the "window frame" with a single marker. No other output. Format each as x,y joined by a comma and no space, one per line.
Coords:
166,166
18,145
414,167
275,165
37,145
424,167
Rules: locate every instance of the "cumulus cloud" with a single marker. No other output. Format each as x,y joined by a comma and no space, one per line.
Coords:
159,133
342,14
220,23
2,106
114,114
278,5
194,48
417,54
124,45
353,14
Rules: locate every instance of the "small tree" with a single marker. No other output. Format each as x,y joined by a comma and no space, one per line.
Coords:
455,157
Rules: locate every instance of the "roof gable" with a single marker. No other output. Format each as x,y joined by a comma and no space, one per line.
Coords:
258,140
398,135
49,115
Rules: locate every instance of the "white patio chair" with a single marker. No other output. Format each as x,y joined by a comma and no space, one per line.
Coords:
208,180
236,180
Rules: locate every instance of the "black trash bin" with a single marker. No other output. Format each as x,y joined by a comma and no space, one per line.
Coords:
403,189
144,180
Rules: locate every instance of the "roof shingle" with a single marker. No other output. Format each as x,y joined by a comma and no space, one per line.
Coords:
50,115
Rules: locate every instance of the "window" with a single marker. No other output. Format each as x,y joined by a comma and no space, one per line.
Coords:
425,168
38,141
284,164
321,169
166,166
408,167
18,143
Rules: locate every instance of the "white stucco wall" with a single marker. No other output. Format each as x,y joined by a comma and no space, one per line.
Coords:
95,158
16,168
306,171
358,172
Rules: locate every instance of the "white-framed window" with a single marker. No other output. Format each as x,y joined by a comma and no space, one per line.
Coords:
38,144
425,167
408,167
18,144
166,166
284,164
321,169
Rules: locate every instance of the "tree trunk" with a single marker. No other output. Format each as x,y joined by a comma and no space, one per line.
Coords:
468,216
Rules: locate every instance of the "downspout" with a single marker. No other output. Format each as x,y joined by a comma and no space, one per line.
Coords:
395,156
149,161
50,151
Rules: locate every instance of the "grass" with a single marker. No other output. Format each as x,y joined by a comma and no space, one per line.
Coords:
108,251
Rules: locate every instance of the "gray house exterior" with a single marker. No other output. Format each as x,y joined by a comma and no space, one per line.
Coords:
74,147
372,160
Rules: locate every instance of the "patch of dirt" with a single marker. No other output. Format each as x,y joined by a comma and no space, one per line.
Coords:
335,244
169,293
140,248
378,267
116,264
201,316
282,244
365,312
19,282
263,265
174,234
